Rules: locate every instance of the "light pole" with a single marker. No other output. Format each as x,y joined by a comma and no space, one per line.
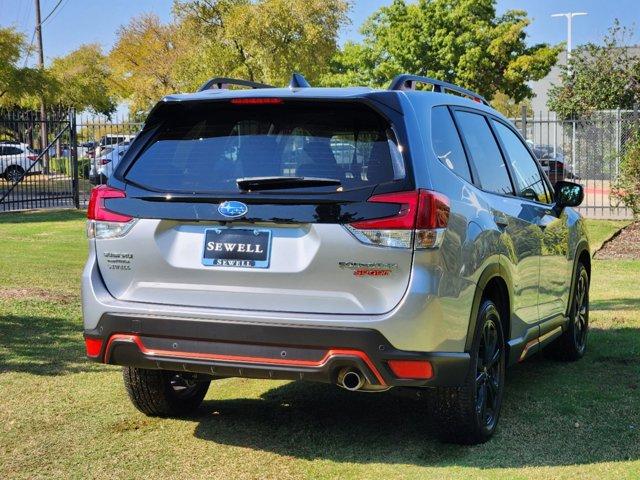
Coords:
569,16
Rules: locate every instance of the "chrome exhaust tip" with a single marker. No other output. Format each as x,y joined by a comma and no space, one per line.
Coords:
350,379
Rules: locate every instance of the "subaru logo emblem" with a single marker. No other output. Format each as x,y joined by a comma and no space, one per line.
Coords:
232,209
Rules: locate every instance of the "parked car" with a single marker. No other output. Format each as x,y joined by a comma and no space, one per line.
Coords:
433,260
102,168
553,163
16,160
110,140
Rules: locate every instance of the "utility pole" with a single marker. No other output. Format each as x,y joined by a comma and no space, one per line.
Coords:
43,110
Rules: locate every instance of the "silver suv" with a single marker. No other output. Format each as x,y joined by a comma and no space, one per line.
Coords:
373,239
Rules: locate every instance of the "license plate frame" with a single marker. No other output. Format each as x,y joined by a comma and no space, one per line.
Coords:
227,253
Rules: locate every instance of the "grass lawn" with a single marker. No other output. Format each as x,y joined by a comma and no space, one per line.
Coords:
63,417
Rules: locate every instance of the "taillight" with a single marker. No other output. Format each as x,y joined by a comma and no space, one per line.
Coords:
32,158
103,223
421,221
104,161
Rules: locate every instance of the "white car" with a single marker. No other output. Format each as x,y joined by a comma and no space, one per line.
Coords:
104,165
109,141
16,160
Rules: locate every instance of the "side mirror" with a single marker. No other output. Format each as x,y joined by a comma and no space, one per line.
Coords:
568,194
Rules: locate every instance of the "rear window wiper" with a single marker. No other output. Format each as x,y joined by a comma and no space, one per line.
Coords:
276,183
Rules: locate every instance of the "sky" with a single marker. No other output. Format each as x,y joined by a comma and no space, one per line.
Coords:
88,21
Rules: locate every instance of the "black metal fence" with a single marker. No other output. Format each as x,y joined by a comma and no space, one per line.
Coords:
38,161
81,151
101,143
77,153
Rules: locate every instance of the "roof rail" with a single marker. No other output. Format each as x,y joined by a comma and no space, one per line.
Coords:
222,82
408,82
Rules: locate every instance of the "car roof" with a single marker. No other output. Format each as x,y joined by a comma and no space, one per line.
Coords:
310,92
425,98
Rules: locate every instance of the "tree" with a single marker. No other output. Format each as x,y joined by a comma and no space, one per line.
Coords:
627,187
598,77
143,61
508,106
459,41
81,81
18,85
263,41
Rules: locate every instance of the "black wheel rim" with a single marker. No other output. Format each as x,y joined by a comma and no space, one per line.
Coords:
581,314
182,386
14,175
489,373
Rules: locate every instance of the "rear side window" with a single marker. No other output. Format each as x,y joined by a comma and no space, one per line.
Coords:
527,176
485,154
11,150
447,144
207,147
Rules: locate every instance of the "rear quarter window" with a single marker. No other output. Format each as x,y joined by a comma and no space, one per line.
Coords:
446,143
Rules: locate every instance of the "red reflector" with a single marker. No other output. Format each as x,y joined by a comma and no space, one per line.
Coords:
414,369
93,345
97,210
256,101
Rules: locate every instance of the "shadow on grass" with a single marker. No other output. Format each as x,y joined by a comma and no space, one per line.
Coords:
615,304
554,414
42,345
42,216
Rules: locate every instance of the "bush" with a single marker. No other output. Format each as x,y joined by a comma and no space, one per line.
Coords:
627,188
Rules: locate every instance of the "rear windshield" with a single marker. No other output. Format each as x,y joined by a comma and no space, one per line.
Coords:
206,148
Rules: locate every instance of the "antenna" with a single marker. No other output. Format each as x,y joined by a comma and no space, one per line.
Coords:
298,81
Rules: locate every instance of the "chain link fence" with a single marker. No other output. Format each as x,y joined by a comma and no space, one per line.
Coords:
587,150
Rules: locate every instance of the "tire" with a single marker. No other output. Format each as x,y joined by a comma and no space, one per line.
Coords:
469,414
572,344
13,173
160,393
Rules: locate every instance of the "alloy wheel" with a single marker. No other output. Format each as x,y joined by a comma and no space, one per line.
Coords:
580,314
14,175
182,385
489,373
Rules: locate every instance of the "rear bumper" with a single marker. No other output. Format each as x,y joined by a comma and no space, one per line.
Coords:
234,349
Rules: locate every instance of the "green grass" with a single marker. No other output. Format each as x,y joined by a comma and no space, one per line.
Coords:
602,230
63,417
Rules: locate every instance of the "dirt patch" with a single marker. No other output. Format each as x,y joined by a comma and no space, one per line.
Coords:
129,425
624,245
37,294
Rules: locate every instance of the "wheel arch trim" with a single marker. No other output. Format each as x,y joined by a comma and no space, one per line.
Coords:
491,272
582,247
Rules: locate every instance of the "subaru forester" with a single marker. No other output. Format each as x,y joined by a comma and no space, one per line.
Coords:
374,239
